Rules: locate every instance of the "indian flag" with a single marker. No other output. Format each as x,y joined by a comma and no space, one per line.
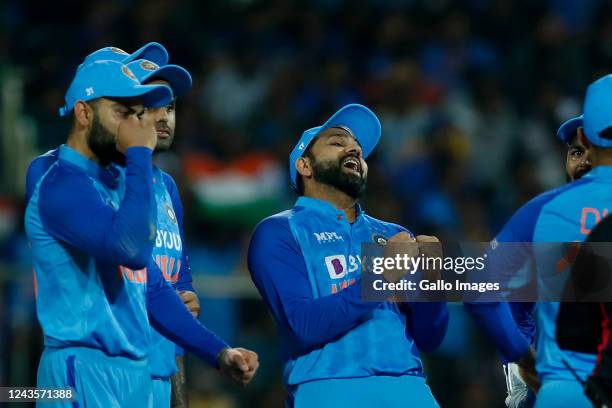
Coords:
240,192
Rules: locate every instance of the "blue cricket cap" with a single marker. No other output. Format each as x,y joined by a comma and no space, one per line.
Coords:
568,129
178,77
360,121
153,51
598,111
112,79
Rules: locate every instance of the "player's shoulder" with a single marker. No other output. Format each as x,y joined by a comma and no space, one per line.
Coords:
40,164
561,192
278,221
385,227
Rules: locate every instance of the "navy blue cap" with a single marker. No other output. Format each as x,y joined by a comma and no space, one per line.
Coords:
178,77
598,111
360,121
112,79
568,129
153,51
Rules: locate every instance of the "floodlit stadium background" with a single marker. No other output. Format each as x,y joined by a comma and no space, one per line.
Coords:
469,93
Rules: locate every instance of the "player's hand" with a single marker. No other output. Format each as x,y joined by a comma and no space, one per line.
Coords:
190,299
239,364
137,130
528,371
430,247
400,244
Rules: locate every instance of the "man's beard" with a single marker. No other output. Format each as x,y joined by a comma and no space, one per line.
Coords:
331,173
101,141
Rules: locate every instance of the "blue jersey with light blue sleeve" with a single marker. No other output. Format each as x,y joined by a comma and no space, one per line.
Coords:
306,263
175,266
82,222
566,214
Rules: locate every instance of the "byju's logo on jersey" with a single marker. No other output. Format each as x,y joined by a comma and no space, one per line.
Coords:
327,237
336,266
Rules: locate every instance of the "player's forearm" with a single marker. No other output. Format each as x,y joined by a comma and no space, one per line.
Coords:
131,236
171,318
427,323
499,326
319,321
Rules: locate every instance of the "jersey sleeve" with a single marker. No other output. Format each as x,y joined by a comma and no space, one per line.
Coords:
37,168
184,281
72,210
170,317
426,322
278,270
510,327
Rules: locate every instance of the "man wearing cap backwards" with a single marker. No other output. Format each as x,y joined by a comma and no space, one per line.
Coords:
337,349
577,164
92,228
563,215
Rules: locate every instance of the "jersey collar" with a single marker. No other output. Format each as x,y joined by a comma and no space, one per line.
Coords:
602,172
93,169
325,207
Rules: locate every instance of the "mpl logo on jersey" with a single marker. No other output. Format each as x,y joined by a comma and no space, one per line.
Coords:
327,237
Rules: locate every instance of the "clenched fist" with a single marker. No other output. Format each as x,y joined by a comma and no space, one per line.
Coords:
191,301
239,364
399,245
137,130
430,247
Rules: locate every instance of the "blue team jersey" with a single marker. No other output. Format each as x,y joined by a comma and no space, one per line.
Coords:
168,252
306,263
88,254
566,214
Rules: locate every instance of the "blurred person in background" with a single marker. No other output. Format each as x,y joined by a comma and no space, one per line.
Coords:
337,349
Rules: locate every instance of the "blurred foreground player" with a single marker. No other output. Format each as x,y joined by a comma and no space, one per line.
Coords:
338,350
558,216
92,230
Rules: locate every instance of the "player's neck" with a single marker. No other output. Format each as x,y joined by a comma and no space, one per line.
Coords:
78,142
335,197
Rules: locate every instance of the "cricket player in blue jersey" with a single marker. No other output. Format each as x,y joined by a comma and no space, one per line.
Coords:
338,350
92,231
566,214
577,164
169,252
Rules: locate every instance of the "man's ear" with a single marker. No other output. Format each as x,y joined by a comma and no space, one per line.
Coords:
304,167
83,114
583,139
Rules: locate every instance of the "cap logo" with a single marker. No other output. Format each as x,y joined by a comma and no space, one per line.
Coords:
128,73
301,146
89,91
118,51
148,66
350,132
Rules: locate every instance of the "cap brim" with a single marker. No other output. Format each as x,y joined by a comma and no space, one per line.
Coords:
568,129
153,96
362,123
153,51
178,77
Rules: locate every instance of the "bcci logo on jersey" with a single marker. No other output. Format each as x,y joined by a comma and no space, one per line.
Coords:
327,237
